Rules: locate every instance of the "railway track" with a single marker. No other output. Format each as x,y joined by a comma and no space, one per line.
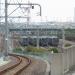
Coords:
19,64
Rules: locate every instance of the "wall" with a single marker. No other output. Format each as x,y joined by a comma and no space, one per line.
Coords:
62,62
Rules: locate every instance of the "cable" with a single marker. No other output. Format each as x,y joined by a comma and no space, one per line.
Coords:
21,8
13,11
9,1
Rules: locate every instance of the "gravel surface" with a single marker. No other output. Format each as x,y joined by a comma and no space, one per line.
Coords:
37,67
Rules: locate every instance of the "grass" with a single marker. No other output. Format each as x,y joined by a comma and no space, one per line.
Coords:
35,49
40,50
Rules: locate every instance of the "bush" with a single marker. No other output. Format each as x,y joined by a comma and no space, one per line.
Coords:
55,50
18,49
67,45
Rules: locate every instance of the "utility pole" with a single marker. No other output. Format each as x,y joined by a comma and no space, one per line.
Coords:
63,38
28,21
0,11
6,30
37,36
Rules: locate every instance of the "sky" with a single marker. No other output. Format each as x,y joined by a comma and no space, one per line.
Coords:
52,10
57,10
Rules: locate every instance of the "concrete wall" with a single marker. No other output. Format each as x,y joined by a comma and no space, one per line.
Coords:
62,62
56,64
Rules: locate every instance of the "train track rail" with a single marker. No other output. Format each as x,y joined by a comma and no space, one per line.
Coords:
17,65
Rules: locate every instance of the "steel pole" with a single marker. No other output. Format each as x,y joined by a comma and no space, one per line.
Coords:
37,37
63,38
6,30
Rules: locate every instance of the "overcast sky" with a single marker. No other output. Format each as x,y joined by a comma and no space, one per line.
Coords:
53,10
59,10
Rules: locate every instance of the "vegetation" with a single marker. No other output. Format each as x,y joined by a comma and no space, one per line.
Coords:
18,49
55,50
41,50
35,49
67,44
